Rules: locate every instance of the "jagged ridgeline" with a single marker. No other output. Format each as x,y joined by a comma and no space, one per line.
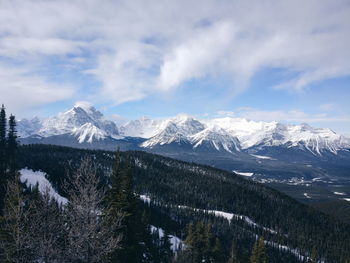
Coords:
176,193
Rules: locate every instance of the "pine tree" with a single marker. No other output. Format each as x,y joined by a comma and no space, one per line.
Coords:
199,243
3,159
259,252
314,255
15,238
166,253
218,252
12,145
121,199
233,254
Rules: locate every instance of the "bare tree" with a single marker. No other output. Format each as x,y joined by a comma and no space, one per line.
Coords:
46,228
16,241
89,238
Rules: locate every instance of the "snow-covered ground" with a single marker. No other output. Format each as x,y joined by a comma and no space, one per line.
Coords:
226,215
31,179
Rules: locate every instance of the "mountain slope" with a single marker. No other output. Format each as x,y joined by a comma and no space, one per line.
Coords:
186,192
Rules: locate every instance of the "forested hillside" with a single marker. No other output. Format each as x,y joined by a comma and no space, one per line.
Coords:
177,193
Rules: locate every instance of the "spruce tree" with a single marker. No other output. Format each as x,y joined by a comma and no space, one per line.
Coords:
121,199
12,145
165,252
233,254
3,159
259,252
15,236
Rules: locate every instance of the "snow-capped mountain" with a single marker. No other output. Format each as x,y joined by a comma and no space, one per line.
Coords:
216,137
235,134
175,130
229,135
82,121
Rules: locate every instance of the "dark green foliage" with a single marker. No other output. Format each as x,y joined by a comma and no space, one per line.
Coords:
3,159
121,199
171,183
233,254
15,238
339,209
12,145
202,246
259,252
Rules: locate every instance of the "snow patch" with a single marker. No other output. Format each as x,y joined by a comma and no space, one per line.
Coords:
243,173
263,157
31,179
339,193
176,243
145,199
307,195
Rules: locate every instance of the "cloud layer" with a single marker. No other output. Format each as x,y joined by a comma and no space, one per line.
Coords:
137,48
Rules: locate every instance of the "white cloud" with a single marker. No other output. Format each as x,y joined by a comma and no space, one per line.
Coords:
284,116
137,48
327,107
20,89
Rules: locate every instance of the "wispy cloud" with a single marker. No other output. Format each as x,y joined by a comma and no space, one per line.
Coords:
138,48
284,116
20,89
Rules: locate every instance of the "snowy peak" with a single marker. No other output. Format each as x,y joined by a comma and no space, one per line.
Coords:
143,128
83,121
217,138
220,134
88,133
175,130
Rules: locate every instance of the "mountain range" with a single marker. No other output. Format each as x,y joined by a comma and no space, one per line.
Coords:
266,151
228,134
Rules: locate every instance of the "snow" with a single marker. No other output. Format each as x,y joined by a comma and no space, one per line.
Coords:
176,243
145,199
263,157
224,134
243,173
229,217
83,121
307,195
31,178
226,215
339,193
219,138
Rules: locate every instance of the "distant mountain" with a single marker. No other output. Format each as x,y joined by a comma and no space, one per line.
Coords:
83,122
87,124
250,135
266,150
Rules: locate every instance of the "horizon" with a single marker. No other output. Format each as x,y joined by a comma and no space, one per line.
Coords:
286,62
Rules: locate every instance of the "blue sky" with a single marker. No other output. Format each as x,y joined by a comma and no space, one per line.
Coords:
265,60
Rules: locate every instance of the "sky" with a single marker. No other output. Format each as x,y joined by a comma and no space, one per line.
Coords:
286,61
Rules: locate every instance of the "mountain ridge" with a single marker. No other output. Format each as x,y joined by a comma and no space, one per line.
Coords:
222,134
